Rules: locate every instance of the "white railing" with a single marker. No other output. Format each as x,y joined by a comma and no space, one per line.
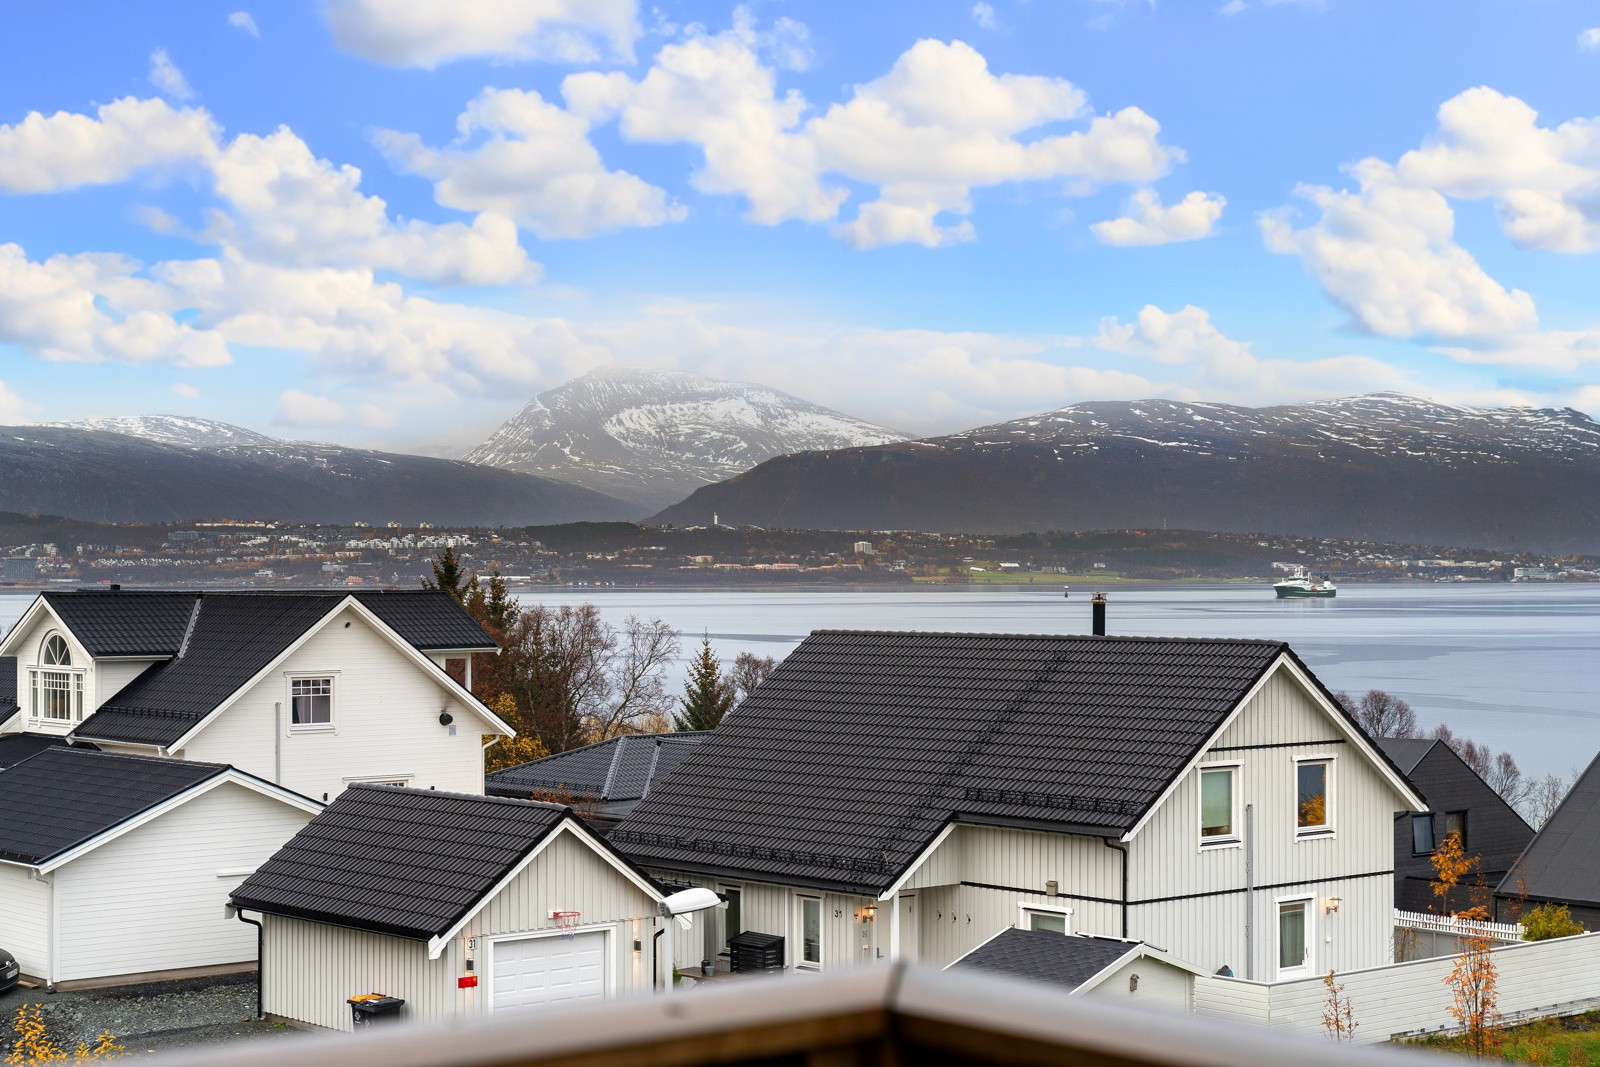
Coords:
1455,924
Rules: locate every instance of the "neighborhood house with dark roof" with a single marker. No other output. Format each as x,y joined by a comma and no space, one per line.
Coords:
905,796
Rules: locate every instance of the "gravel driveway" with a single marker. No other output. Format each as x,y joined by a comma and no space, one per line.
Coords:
148,1018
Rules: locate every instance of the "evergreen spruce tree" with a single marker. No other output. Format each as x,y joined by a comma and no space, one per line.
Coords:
706,696
448,575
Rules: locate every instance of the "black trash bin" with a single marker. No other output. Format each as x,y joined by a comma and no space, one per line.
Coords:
374,1009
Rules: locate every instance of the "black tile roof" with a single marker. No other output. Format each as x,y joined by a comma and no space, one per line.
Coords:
124,623
1406,752
1067,960
409,862
1561,863
14,748
227,639
61,797
611,773
852,755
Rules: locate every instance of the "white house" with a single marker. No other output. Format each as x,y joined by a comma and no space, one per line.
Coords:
459,905
121,865
907,795
1085,966
312,690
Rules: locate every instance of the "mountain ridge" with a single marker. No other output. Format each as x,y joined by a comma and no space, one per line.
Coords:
1375,466
655,436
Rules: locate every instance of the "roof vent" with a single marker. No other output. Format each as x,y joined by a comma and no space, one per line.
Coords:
1099,603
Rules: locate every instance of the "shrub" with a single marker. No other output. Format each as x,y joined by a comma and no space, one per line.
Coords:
1547,921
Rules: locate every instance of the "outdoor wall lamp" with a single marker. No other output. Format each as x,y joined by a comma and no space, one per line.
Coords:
868,913
1331,905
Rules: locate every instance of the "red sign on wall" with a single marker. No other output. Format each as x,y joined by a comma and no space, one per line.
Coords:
467,981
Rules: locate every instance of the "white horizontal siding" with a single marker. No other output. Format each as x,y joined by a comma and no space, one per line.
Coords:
1535,979
152,899
24,919
386,721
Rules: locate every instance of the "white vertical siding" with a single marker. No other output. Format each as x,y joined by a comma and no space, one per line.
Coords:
386,721
24,915
152,899
1161,985
312,969
1166,859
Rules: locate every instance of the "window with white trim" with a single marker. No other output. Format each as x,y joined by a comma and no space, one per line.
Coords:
1051,918
55,686
810,932
311,701
1219,817
1313,796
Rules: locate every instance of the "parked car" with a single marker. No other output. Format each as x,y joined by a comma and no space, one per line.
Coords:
9,971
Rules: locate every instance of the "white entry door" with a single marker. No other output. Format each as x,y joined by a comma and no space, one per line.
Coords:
548,970
910,929
1294,939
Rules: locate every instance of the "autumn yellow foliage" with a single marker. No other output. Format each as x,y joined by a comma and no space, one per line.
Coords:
34,1044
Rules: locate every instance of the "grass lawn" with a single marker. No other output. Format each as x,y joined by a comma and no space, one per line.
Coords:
1571,1042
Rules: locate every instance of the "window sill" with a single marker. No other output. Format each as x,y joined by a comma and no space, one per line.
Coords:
1221,844
313,728
1315,834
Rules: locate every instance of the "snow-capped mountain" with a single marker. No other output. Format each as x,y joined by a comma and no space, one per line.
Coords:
184,431
656,436
1381,467
156,468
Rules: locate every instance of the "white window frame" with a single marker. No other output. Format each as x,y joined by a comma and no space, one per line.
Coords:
800,961
1309,966
1026,906
1330,801
380,779
1221,841
74,678
331,726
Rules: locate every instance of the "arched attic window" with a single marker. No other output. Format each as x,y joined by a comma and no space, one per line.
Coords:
55,687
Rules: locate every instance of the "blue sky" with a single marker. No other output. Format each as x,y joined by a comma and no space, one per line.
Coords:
391,221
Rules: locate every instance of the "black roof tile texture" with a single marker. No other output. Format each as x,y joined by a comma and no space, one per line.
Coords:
852,755
224,640
1561,863
61,797
14,748
1067,960
621,769
1406,752
407,862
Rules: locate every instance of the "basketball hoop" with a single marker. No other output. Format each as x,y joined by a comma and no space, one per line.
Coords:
567,923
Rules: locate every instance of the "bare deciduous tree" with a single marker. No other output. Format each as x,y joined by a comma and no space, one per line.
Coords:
748,671
1381,714
1544,797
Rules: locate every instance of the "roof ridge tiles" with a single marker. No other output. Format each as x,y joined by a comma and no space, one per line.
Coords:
447,794
1108,638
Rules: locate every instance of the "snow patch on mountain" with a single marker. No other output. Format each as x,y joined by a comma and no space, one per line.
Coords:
184,431
656,436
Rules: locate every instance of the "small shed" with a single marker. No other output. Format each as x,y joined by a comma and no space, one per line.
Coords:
459,905
1082,965
114,865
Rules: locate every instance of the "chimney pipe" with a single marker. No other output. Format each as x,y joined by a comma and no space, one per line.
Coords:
1099,614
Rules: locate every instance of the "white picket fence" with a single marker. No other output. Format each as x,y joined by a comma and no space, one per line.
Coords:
1536,979
1457,926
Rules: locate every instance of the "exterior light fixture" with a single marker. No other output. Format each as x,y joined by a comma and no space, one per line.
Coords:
868,913
1133,983
1331,905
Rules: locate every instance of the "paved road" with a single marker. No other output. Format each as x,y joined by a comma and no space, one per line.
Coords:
148,1018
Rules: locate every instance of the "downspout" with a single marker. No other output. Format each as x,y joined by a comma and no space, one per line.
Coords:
261,963
655,958
1249,893
50,944
1120,847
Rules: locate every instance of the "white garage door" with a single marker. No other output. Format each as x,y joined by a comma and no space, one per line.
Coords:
549,970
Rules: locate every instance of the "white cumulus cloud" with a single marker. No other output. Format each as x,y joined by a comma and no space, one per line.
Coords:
165,76
12,408
296,408
241,20
45,154
427,33
288,206
983,15
1589,40
936,126
1149,222
188,392
524,158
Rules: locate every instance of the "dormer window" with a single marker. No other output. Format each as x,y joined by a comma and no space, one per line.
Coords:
55,686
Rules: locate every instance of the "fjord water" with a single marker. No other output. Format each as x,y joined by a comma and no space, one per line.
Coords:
1516,667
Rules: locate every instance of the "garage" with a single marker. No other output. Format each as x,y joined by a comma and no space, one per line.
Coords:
541,971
